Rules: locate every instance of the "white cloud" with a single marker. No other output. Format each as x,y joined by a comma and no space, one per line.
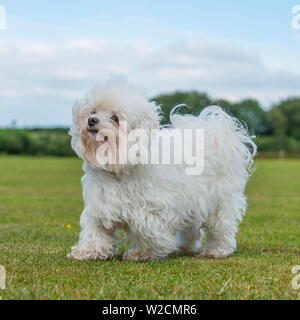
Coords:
9,93
84,45
72,74
39,82
36,50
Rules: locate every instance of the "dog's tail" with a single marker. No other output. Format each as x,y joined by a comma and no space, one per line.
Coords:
228,147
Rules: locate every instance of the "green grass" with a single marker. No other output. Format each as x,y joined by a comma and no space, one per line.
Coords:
39,196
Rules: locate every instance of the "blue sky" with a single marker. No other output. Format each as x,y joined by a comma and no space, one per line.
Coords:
53,51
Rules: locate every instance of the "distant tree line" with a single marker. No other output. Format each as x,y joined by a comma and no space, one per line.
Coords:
277,130
36,142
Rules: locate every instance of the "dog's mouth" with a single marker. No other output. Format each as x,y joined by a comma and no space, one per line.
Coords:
97,134
92,131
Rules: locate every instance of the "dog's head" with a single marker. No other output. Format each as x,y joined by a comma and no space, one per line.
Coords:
99,118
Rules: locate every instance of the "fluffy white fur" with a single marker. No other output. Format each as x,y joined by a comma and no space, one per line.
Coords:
162,209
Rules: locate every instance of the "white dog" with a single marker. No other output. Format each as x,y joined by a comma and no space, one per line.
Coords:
162,209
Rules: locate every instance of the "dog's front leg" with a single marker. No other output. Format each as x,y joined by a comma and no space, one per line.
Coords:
95,242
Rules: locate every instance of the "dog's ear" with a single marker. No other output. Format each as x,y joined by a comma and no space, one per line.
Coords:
150,118
139,135
90,147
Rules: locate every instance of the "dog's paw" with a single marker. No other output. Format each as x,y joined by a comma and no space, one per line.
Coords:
78,253
137,256
184,251
216,253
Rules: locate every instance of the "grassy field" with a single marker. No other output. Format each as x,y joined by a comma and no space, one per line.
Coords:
40,196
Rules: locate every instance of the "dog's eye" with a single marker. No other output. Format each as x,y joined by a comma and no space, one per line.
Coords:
115,119
93,112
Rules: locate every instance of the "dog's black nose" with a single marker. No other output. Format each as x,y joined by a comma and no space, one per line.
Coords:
92,122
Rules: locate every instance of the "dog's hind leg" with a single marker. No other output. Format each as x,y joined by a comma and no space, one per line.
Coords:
189,240
222,227
152,246
220,243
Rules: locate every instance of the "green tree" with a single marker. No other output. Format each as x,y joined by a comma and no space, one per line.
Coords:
195,103
285,119
249,111
253,115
